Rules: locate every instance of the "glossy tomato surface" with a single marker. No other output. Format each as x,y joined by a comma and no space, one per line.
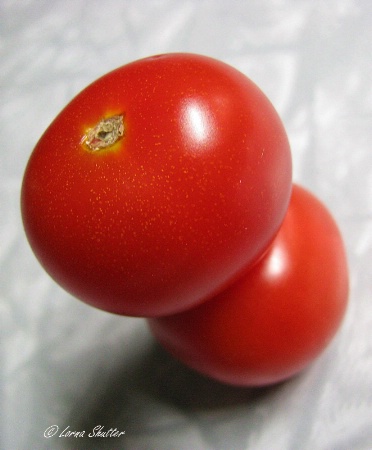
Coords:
188,189
281,315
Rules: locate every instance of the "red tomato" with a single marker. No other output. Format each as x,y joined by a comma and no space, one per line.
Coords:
279,316
157,185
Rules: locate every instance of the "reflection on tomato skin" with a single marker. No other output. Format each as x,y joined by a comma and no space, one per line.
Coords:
279,316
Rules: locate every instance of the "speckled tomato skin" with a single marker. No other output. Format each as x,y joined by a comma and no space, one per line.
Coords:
190,197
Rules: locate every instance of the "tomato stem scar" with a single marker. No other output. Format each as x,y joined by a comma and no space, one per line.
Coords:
105,133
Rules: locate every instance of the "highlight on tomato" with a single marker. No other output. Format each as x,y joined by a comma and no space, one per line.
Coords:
157,185
280,316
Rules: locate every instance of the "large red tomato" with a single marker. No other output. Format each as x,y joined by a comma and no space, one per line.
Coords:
280,316
157,185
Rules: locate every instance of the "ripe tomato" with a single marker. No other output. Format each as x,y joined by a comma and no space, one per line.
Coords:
157,185
279,316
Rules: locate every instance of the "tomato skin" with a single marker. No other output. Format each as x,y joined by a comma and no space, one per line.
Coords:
279,316
190,197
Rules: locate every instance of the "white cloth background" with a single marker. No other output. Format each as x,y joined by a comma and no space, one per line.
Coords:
64,363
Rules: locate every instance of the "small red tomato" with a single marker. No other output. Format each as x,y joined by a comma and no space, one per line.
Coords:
157,184
276,319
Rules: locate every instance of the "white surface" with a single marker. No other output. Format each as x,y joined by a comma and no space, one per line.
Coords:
64,363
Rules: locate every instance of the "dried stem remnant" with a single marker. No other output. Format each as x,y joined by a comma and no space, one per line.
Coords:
105,133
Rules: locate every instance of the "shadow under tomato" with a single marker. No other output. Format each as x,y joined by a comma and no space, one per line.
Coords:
154,394
168,380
